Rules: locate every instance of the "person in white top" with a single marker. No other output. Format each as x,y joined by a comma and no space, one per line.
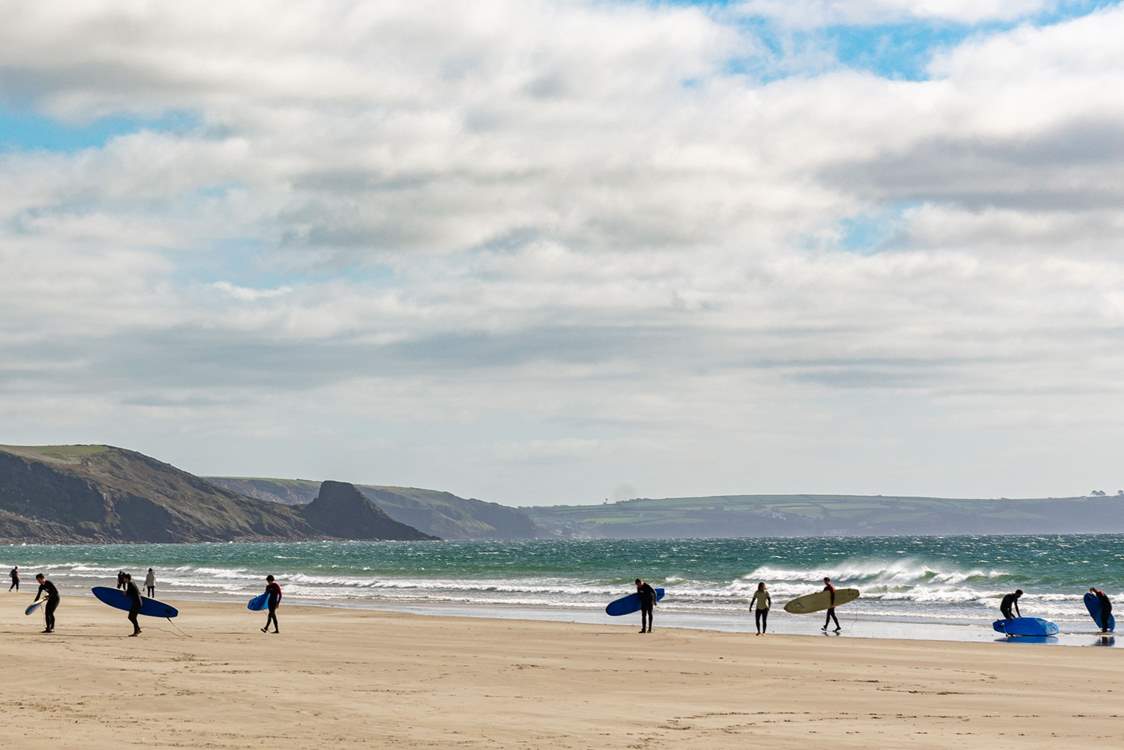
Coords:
760,604
150,584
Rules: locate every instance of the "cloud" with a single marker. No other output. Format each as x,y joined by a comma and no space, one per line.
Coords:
474,248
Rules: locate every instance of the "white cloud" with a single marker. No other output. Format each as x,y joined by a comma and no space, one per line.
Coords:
528,234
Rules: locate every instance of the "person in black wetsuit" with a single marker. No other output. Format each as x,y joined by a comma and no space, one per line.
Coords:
133,594
647,605
15,574
828,587
52,601
1009,601
1106,607
274,590
121,579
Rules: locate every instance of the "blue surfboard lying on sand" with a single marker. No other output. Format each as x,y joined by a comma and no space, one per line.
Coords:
626,605
149,607
1094,606
1029,626
258,603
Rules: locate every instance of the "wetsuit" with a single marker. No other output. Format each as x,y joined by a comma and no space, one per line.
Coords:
1010,600
831,610
51,605
274,591
133,594
15,574
1106,608
647,606
121,580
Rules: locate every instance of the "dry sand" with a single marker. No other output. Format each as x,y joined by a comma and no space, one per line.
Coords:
342,678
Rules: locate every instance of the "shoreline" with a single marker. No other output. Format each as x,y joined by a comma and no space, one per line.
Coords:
380,679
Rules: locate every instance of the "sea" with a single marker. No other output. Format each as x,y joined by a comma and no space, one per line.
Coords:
911,586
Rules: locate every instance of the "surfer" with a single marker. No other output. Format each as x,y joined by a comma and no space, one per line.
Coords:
274,590
133,594
830,589
647,596
760,603
15,574
1011,600
150,584
1106,607
52,601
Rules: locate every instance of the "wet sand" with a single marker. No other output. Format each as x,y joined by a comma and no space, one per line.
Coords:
373,679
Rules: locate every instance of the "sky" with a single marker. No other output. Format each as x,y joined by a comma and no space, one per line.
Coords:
543,252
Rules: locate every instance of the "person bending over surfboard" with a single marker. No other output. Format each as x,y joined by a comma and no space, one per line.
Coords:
830,610
1106,607
1011,600
274,590
132,593
647,596
52,601
760,604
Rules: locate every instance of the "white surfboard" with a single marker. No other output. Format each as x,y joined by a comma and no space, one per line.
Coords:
820,601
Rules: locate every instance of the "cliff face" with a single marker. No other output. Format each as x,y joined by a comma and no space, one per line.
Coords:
341,510
105,494
440,514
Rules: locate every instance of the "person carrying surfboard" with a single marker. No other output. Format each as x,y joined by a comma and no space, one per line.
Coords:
52,601
830,589
1106,607
1009,601
133,594
647,596
760,604
274,590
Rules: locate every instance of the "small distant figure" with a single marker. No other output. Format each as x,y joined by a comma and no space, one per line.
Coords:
121,579
52,604
133,594
1106,607
15,574
830,589
150,584
274,590
760,605
1009,601
647,605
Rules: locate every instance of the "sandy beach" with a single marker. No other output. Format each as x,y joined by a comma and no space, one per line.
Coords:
337,676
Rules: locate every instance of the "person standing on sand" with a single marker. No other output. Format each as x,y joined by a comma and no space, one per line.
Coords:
274,590
150,584
15,574
760,605
647,596
830,610
1106,607
1011,600
121,579
132,593
52,601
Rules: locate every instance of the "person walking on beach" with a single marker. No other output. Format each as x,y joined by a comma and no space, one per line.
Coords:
830,589
132,593
760,604
1009,601
52,601
1106,607
121,579
15,574
274,590
647,596
150,584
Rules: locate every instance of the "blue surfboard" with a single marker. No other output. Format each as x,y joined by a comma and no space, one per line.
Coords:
1025,626
149,607
1093,604
626,605
258,603
34,606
